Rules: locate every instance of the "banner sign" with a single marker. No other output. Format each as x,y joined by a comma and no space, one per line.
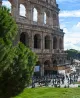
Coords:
37,69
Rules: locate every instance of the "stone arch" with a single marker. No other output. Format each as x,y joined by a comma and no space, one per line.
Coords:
55,63
37,41
24,38
8,4
47,42
46,13
47,63
60,43
64,61
27,40
60,61
35,14
54,43
22,10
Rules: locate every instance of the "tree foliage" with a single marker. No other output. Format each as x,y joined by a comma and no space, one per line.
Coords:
73,54
8,27
8,31
18,75
16,62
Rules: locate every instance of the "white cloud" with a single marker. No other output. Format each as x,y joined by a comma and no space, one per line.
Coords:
72,37
78,25
74,13
67,1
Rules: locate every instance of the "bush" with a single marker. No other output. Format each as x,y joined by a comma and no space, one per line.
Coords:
16,62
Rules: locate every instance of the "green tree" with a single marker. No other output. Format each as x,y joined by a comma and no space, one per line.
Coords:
8,31
16,62
18,75
8,27
73,54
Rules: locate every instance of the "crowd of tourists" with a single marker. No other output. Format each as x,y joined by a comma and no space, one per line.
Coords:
54,80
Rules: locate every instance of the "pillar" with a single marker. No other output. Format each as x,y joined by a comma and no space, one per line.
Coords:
51,42
0,2
51,20
39,18
63,43
57,20
32,33
57,43
30,39
42,70
54,2
15,9
29,13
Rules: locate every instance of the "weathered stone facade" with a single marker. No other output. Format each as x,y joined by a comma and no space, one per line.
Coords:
46,39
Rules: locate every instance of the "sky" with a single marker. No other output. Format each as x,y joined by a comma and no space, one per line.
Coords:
69,18
70,22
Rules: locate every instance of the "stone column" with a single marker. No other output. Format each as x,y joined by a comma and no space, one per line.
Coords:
32,40
29,13
54,2
15,9
42,70
0,3
47,20
42,17
51,19
58,43
51,42
57,21
43,42
39,18
63,43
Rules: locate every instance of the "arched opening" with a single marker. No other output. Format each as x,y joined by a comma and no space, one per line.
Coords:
45,18
27,40
47,63
47,42
35,15
54,63
64,61
22,11
7,4
37,69
23,38
46,67
60,44
37,41
55,71
60,61
54,43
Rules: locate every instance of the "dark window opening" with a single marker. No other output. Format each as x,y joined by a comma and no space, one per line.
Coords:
22,38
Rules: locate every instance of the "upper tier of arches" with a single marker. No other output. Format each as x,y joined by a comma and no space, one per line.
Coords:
33,12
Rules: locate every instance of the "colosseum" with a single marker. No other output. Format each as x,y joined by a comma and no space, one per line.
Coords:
39,29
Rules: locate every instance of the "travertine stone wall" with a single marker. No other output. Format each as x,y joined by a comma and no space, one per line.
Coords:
30,28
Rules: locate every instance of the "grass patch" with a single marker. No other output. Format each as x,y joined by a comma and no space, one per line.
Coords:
50,93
